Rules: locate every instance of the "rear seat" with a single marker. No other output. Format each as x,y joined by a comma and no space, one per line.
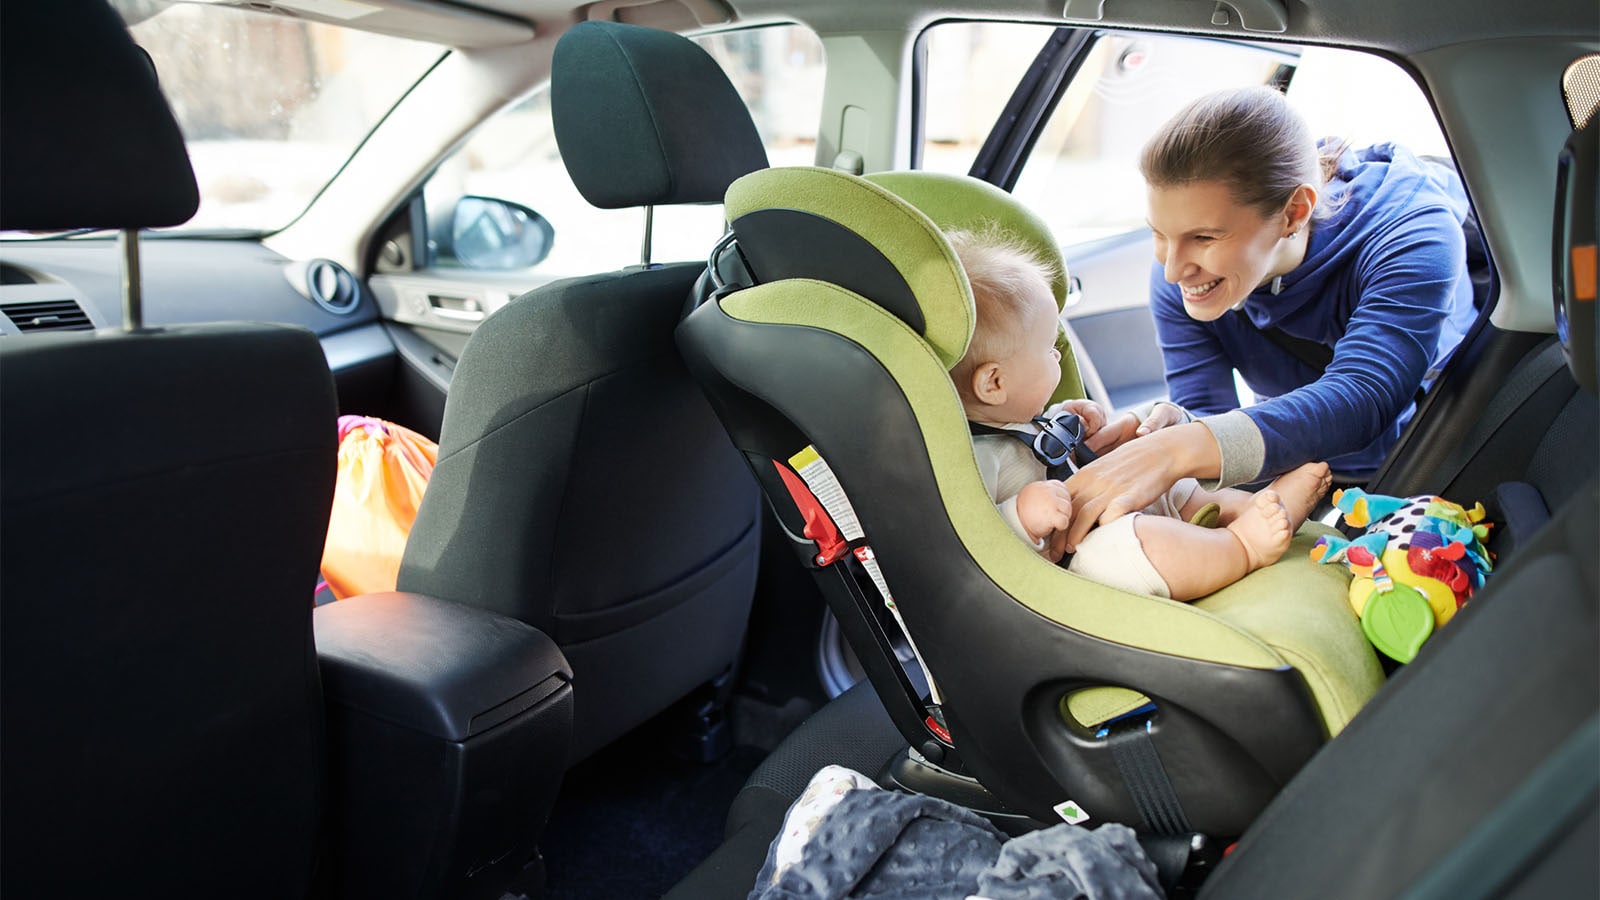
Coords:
1473,767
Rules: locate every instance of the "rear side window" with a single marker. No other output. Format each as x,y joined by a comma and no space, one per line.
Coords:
1082,174
778,70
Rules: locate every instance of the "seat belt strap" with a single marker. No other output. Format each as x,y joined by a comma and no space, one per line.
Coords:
1137,761
1528,383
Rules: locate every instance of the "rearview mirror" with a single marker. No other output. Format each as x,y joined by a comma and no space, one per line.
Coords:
487,233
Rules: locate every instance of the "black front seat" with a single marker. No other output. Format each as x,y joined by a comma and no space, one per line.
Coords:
583,484
160,689
163,497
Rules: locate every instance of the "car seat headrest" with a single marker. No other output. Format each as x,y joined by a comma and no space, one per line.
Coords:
1577,207
827,225
646,117
881,236
89,141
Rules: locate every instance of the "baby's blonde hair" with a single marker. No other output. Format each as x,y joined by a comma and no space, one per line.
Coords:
999,266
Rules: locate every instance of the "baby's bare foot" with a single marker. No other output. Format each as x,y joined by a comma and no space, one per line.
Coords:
1300,489
1263,529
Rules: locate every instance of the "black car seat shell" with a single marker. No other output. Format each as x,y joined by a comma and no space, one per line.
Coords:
808,361
583,484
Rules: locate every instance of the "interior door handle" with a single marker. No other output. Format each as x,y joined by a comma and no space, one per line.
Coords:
467,309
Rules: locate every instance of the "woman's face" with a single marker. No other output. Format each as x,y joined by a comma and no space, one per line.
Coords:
1216,250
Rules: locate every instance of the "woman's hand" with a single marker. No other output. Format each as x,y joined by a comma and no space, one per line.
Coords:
1138,472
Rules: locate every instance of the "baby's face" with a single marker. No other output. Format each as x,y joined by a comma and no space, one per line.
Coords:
1033,369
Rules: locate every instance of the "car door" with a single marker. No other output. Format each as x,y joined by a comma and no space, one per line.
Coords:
508,180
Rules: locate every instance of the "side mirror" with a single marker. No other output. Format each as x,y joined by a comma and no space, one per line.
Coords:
486,233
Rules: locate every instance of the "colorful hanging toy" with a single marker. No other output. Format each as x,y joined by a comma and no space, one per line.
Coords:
1419,561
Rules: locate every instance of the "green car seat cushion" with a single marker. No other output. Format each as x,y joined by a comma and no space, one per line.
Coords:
1291,605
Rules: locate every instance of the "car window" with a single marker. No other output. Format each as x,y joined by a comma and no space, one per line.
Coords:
271,107
778,70
1082,175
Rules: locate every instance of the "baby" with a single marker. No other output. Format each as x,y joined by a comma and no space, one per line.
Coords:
1005,379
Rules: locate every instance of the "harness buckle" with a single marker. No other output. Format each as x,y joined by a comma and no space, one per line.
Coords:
1061,439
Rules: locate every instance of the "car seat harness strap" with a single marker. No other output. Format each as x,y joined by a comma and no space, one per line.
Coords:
1058,443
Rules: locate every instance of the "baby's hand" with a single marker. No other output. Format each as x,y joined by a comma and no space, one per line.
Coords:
1090,413
1162,415
1045,508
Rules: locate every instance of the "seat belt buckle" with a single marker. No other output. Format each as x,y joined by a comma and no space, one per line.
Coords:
1061,440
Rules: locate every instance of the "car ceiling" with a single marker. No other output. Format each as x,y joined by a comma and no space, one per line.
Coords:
1480,71
1404,27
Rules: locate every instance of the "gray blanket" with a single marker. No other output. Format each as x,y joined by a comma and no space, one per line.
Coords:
886,845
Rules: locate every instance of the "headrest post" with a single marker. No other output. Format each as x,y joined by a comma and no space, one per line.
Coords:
649,225
132,298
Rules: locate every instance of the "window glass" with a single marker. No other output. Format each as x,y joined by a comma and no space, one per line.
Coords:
271,107
972,67
778,70
1082,175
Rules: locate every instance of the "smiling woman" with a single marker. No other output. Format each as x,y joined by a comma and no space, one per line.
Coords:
1333,279
270,107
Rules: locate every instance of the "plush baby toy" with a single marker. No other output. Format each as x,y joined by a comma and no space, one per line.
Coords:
1418,562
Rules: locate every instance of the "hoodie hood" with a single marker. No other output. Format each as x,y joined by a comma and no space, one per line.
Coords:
1374,190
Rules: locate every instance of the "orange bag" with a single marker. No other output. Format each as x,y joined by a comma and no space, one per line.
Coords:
383,471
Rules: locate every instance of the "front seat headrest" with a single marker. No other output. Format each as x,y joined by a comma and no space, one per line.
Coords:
646,117
89,141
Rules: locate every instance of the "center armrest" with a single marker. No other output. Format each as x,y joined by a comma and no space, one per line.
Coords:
434,666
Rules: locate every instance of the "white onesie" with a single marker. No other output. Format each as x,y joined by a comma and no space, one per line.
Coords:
1110,554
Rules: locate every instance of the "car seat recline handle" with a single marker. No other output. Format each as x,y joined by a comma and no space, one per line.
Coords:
1253,15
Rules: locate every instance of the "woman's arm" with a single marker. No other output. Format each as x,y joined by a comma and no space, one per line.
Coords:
1405,282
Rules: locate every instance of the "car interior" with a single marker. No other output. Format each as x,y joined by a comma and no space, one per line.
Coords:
666,281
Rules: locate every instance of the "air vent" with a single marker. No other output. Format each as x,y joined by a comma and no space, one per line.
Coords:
332,287
48,315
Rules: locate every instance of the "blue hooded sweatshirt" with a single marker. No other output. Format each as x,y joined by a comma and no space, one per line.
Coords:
1384,282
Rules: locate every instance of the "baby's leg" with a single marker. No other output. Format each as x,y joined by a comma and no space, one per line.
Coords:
1195,561
1299,489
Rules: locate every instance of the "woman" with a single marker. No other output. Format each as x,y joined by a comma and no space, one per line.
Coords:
1267,246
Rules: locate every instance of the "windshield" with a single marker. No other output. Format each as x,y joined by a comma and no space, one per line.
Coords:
271,107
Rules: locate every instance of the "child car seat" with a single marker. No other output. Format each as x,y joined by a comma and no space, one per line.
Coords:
854,311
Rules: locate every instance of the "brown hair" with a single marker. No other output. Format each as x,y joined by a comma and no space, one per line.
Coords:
999,266
1247,138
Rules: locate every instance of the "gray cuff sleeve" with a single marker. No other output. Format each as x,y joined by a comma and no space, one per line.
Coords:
1241,447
